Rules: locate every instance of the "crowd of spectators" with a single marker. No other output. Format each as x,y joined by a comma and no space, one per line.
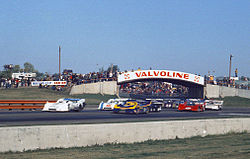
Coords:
92,77
71,78
154,88
15,83
136,88
223,81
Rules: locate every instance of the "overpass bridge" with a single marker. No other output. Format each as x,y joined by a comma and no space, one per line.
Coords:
194,82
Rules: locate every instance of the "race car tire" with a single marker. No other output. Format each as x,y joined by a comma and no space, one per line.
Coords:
200,109
151,109
81,107
158,109
137,111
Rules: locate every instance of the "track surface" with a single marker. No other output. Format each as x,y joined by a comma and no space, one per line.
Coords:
91,115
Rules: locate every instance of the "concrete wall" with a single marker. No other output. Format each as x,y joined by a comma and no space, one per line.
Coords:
215,91
111,88
244,93
42,137
92,88
78,89
212,91
227,91
108,87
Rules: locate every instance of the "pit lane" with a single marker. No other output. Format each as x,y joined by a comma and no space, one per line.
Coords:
90,115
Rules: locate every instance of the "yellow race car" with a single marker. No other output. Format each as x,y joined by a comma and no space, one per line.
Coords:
133,106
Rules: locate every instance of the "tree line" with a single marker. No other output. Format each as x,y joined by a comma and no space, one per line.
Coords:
27,68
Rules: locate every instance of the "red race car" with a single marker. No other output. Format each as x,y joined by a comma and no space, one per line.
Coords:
192,105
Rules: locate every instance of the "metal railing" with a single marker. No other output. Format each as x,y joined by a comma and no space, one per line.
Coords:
23,104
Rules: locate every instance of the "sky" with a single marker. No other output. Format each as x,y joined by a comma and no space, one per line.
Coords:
194,36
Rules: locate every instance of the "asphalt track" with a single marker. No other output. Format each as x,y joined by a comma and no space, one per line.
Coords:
91,115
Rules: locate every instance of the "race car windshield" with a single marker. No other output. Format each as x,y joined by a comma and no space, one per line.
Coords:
190,103
110,101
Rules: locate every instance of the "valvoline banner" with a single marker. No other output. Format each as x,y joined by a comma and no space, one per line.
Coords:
159,74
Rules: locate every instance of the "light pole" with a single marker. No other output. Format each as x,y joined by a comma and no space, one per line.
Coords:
59,63
230,63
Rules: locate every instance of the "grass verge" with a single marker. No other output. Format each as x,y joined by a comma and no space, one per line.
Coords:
236,102
233,145
48,94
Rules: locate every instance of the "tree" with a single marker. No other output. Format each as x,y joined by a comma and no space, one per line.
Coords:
8,70
101,69
16,69
113,68
39,76
28,67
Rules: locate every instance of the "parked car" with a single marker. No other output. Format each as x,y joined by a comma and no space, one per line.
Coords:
192,105
133,106
110,104
213,104
65,105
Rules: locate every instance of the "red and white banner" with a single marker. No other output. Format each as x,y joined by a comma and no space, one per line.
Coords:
160,74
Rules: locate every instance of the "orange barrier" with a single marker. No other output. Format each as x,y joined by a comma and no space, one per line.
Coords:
23,104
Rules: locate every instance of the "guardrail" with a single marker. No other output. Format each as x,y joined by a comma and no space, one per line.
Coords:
23,104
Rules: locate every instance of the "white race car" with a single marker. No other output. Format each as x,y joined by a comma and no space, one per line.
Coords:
65,105
111,103
213,104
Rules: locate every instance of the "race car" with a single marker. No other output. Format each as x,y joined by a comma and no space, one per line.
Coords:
171,103
176,103
110,104
133,106
192,105
213,104
65,105
156,105
168,103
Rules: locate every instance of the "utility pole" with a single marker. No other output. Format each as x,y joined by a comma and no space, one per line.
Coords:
59,62
230,63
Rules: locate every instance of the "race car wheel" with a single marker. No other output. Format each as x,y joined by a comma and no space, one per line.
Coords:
147,111
151,109
201,109
80,106
137,111
159,109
